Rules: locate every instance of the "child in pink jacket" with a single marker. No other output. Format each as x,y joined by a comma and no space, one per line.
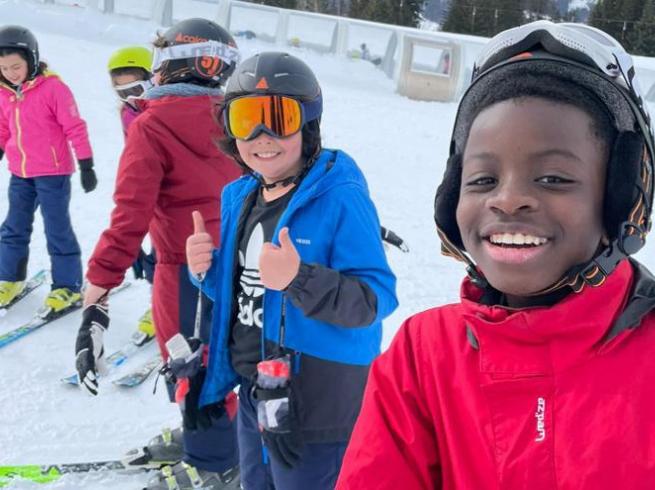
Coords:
39,122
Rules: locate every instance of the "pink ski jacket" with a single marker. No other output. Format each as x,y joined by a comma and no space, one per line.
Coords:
128,115
475,397
38,125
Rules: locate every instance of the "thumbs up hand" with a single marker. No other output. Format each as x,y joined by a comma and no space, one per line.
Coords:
278,266
199,246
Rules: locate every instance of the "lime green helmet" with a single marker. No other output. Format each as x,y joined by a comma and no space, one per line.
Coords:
131,57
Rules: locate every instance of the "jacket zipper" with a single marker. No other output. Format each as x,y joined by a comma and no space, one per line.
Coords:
23,156
283,320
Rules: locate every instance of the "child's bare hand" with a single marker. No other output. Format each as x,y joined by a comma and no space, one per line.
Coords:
278,266
199,246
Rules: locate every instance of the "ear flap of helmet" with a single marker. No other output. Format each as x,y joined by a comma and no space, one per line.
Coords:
622,191
445,202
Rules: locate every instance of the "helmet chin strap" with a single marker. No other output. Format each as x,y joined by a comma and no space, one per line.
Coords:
281,183
294,179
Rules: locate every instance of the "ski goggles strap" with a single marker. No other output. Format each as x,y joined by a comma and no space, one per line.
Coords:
277,115
210,49
134,89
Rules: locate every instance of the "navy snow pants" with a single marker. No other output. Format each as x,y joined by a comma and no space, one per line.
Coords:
318,468
52,194
174,309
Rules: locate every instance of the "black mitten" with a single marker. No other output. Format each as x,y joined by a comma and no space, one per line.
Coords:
87,175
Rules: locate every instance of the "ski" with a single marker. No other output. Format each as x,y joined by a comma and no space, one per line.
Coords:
138,376
52,472
117,358
44,317
33,282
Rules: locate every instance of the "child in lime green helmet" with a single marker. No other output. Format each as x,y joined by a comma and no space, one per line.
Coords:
129,70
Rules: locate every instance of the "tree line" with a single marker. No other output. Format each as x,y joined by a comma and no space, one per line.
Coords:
632,22
398,12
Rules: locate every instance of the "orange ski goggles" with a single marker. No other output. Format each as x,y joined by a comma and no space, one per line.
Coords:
279,116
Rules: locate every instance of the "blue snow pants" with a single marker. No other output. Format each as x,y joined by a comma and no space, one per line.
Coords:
52,194
318,468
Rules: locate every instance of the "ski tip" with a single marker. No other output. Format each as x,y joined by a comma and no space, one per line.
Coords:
72,380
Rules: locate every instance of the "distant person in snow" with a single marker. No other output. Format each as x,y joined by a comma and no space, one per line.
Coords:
542,375
39,121
129,72
171,166
300,281
366,54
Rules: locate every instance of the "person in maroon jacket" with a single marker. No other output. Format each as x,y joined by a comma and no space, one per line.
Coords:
542,375
170,167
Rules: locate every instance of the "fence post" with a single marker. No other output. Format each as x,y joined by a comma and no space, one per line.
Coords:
223,14
108,6
281,33
162,12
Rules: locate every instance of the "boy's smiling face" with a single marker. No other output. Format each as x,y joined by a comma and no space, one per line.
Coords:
531,197
273,158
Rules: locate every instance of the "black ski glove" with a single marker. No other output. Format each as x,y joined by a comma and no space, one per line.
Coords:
89,348
2,153
277,411
193,417
286,443
87,174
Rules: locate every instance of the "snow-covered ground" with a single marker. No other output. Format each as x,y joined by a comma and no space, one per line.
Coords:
400,144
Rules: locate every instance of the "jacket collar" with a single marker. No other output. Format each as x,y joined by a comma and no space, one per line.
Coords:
160,92
331,168
543,340
28,85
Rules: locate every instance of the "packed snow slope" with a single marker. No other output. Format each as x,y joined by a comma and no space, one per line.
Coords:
400,144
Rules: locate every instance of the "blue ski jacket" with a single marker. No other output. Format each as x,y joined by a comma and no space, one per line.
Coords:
333,223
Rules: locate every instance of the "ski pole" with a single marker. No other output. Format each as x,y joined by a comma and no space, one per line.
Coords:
198,320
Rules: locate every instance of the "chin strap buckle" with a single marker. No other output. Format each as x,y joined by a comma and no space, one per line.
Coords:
595,273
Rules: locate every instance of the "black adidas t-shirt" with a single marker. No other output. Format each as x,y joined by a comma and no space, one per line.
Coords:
245,338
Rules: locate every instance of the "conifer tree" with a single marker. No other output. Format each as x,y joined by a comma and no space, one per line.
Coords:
645,31
460,17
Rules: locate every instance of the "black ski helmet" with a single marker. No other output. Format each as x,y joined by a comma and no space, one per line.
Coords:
274,73
17,37
200,69
278,73
597,63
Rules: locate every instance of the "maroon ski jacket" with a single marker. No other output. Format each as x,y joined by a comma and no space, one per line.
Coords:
170,166
473,397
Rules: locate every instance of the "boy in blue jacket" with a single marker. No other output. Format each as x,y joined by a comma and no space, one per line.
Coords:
300,282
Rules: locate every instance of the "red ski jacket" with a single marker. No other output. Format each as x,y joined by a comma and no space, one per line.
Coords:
474,397
170,167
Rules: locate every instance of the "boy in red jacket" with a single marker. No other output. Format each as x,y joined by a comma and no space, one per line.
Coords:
542,376
170,167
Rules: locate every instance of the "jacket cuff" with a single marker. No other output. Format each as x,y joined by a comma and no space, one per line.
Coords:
296,287
85,164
